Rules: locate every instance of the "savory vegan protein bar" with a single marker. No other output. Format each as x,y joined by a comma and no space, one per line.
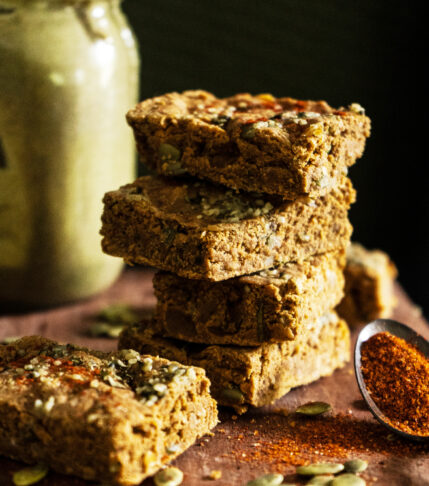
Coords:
201,231
243,376
268,306
114,418
369,285
258,143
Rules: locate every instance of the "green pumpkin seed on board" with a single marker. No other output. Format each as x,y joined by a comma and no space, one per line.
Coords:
170,476
355,466
112,319
9,340
319,468
104,329
118,313
29,475
272,479
313,408
347,480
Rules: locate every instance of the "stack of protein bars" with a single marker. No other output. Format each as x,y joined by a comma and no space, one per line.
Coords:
248,222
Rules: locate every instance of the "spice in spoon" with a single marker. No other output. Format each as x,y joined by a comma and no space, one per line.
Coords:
396,375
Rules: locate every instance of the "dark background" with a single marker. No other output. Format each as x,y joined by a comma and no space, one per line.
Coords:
340,51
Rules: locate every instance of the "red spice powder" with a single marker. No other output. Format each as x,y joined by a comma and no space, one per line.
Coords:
341,436
397,377
61,368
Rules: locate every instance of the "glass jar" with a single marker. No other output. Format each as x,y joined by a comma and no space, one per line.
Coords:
69,73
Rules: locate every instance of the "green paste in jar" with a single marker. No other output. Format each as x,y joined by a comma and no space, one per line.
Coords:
69,73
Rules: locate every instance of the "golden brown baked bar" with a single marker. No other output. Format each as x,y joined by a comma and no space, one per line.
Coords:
255,143
114,418
369,287
268,306
243,376
201,231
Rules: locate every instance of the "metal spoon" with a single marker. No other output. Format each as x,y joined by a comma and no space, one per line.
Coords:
401,331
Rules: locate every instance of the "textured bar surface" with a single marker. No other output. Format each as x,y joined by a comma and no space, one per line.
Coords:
243,376
202,231
113,418
268,306
255,143
369,287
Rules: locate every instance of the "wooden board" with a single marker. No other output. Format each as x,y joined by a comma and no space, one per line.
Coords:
240,447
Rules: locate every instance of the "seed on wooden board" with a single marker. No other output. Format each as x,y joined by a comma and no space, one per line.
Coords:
313,408
319,468
9,340
355,466
272,479
171,476
104,329
118,314
347,480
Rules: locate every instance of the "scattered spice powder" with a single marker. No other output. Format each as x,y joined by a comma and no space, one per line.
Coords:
336,437
396,375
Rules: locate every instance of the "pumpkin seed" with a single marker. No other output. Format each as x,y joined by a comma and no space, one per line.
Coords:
105,329
169,152
248,131
233,395
320,480
29,475
9,340
260,323
172,449
272,479
313,408
116,314
171,476
170,234
355,466
221,120
111,320
357,108
347,480
319,468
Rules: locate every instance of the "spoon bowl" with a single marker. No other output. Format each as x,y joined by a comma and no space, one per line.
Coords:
401,331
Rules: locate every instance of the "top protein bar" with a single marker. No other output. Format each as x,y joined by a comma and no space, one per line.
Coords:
257,143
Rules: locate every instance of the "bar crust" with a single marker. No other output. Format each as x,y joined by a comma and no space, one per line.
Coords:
268,306
258,143
115,418
369,285
205,232
243,376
